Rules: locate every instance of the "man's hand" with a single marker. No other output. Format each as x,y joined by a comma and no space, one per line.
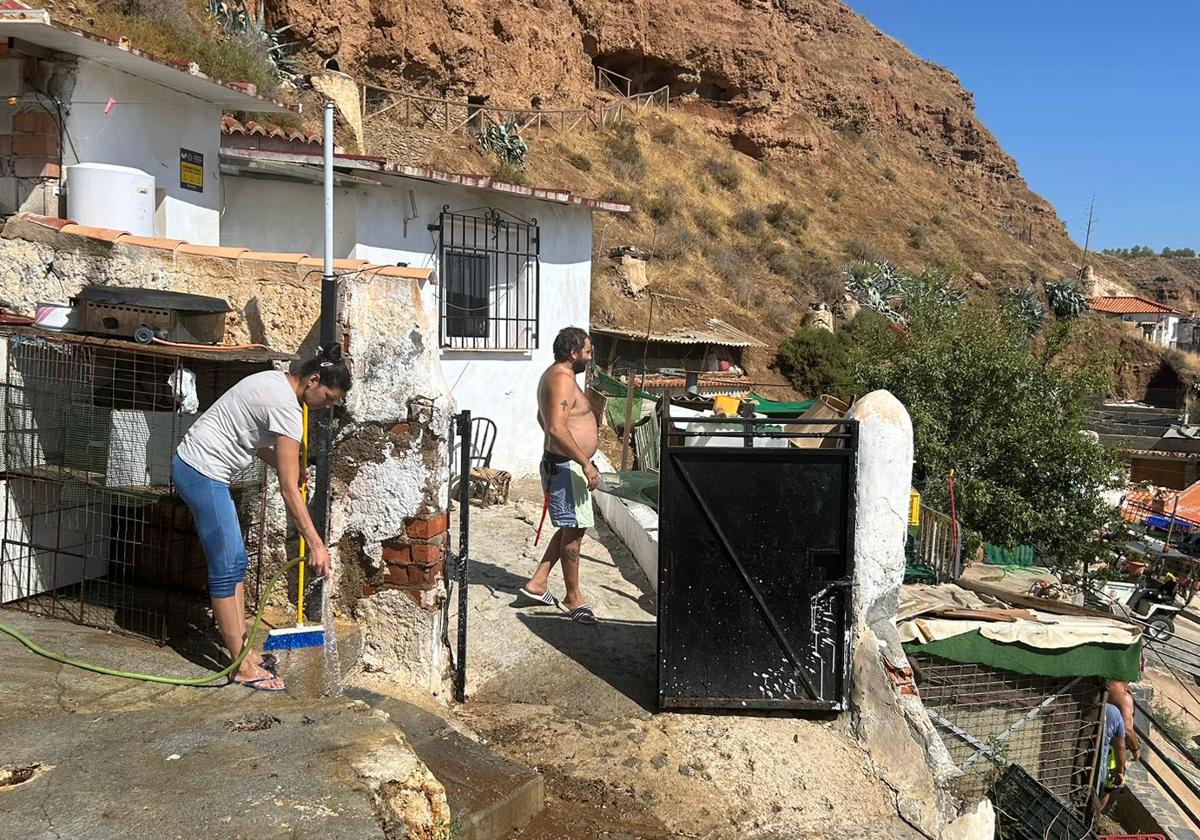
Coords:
318,560
592,475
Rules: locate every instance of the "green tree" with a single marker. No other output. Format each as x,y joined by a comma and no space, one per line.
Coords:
1005,412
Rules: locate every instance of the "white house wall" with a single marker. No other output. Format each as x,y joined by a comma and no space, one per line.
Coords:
286,216
146,128
499,385
275,215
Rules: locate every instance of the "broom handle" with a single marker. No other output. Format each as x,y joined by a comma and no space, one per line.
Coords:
304,496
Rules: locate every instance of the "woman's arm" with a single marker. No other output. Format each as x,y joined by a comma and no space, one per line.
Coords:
268,457
287,456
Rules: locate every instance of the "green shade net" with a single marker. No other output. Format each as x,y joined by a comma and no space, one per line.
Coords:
614,410
1022,555
634,485
782,409
1114,662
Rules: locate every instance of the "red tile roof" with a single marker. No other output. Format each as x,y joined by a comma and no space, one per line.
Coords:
392,166
304,264
231,127
1131,305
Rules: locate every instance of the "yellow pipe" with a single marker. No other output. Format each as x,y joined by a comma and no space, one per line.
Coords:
304,496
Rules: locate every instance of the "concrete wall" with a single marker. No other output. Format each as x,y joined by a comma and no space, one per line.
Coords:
146,129
370,225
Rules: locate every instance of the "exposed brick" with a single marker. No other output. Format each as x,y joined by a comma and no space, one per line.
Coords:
368,591
399,430
28,144
426,553
26,122
426,528
396,553
36,167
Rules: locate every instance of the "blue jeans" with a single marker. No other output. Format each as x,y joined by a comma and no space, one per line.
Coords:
216,519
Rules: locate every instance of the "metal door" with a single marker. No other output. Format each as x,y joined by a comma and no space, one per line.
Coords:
755,565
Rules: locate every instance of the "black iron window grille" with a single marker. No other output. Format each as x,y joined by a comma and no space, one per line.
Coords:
489,272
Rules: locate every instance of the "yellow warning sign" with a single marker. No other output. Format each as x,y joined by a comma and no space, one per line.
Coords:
191,170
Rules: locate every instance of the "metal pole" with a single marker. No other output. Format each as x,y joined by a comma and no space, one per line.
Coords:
328,323
464,530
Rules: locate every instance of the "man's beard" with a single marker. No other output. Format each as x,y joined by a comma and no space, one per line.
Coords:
578,366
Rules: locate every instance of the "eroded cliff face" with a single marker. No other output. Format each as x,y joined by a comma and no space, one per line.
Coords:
798,76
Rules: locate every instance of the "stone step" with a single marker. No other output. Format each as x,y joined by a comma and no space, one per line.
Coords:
489,796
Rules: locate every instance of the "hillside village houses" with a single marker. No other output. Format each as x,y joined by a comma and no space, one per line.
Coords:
113,138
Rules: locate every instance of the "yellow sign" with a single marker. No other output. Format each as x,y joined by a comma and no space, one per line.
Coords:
191,170
914,508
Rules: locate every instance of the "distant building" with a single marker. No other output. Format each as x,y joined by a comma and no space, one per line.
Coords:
1159,324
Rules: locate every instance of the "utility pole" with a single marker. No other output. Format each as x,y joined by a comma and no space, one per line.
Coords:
328,335
1087,238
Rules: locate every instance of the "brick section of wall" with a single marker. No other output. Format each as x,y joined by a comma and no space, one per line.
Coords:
417,559
30,152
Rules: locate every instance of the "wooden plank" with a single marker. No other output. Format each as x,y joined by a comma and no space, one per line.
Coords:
627,429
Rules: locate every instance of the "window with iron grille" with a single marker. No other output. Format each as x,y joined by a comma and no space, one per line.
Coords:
489,271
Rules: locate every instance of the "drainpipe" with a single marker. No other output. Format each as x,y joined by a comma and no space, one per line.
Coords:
328,324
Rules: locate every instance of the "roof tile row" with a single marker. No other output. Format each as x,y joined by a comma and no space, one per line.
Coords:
179,246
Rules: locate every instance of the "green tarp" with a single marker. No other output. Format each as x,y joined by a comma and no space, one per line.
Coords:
614,411
782,409
1114,662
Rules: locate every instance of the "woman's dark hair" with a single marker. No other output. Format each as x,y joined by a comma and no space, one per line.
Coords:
569,340
329,365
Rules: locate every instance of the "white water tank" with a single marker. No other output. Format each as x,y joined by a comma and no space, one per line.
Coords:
119,197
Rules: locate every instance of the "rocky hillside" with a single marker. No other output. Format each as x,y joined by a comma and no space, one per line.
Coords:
799,135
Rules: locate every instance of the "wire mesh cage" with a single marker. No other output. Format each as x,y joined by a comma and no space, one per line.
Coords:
990,718
93,530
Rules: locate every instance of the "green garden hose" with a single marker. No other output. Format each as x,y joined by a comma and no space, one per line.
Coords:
195,681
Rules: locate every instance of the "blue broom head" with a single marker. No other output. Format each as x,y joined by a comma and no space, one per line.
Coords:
294,638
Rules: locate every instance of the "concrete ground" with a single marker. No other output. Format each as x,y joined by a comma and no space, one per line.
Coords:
88,755
578,703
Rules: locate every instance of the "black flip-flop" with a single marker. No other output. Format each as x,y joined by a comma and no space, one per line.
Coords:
545,598
254,684
583,614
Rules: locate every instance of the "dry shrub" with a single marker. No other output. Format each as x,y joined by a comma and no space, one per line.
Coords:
674,240
724,173
747,220
708,220
727,264
787,218
625,151
580,162
664,206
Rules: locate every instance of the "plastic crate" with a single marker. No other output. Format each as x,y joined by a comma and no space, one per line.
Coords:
1027,810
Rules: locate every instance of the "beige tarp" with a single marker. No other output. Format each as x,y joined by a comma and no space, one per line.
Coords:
926,614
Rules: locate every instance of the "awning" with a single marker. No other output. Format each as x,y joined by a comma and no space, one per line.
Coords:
714,331
959,625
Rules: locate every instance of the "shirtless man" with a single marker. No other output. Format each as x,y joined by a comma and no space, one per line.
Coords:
1120,696
568,474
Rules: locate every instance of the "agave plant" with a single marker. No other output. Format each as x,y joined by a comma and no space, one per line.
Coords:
876,286
1066,300
505,142
1028,308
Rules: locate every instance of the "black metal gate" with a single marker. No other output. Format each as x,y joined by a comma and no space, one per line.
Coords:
755,564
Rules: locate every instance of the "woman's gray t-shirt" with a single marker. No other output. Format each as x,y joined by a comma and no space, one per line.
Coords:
246,418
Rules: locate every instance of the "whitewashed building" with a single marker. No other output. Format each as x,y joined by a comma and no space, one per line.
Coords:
78,98
1159,324
512,264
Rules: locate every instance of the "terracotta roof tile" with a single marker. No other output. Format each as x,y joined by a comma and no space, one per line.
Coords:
272,256
178,247
1131,305
231,126
150,242
211,251
103,234
45,221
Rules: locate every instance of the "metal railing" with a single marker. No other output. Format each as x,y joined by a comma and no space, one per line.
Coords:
456,116
936,546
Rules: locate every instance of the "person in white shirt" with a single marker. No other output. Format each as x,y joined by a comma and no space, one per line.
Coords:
260,416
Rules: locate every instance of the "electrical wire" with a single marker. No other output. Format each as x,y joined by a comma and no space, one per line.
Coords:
129,675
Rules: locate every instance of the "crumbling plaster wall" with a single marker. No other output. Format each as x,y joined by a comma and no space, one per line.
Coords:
390,475
889,719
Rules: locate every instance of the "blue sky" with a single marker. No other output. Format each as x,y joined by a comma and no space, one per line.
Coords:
1087,96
